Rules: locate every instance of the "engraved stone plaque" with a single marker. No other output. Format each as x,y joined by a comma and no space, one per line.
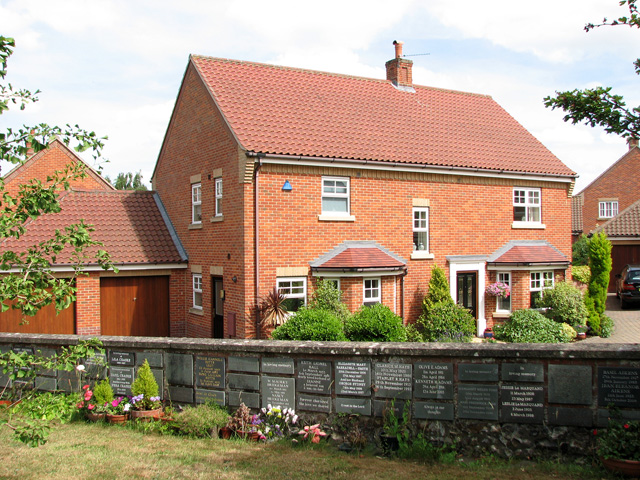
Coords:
380,406
353,378
158,374
522,403
620,386
361,406
278,391
433,380
314,403
251,400
203,396
46,384
572,417
121,379
240,381
570,384
96,366
277,365
48,353
392,380
210,372
478,402
478,372
67,381
434,411
154,359
522,372
314,376
125,359
179,369
181,394
244,364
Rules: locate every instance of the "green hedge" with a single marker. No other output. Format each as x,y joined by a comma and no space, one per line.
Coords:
530,326
447,322
311,324
376,323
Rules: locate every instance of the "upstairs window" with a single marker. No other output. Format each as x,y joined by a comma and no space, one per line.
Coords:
540,281
218,197
335,195
421,229
197,291
526,205
608,209
295,291
196,203
372,294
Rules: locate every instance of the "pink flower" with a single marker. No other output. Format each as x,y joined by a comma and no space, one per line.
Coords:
80,405
85,387
90,407
88,395
626,426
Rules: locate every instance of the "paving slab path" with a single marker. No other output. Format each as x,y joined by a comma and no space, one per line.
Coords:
626,323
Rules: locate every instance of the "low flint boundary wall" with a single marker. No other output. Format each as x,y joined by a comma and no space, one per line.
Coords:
507,399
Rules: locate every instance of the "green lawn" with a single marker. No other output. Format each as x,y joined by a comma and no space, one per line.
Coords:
97,451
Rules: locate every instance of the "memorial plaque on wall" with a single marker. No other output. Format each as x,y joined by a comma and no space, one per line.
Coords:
122,358
251,400
314,376
96,366
353,378
522,403
153,358
570,384
522,372
203,396
360,406
277,365
382,406
278,391
620,386
210,372
244,364
479,402
314,403
121,379
392,380
240,381
433,380
433,411
478,372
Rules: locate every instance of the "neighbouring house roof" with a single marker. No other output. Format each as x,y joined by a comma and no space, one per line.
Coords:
633,149
577,202
133,227
625,224
295,112
358,256
527,252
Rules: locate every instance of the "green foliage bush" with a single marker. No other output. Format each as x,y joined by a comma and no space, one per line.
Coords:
376,323
328,297
311,324
581,273
102,393
580,251
202,421
564,304
413,334
606,326
447,322
438,290
145,383
530,326
600,265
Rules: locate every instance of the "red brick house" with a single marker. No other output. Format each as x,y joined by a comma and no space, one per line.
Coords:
135,230
275,177
598,206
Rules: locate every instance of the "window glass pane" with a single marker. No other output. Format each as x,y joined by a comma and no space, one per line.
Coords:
534,197
197,213
292,304
334,204
518,196
520,214
534,214
420,240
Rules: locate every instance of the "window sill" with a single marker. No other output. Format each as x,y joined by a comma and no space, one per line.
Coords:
332,217
604,218
218,218
501,314
196,311
422,255
195,226
530,225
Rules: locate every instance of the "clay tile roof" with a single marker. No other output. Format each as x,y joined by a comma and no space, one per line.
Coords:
527,252
625,224
281,110
358,256
130,225
577,202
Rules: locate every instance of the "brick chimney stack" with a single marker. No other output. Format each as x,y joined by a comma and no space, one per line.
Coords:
399,69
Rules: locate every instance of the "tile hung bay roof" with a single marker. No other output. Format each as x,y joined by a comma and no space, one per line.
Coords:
625,224
289,111
358,256
132,226
527,252
577,203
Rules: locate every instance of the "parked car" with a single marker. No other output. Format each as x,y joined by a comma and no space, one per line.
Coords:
628,285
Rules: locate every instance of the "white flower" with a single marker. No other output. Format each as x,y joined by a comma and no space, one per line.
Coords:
80,368
127,407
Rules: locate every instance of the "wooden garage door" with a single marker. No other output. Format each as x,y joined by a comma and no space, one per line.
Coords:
45,321
135,306
622,255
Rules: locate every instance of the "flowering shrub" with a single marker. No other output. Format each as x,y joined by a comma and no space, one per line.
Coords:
119,406
140,402
620,440
87,403
274,422
498,289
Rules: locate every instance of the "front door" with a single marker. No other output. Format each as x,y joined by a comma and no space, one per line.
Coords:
468,291
217,311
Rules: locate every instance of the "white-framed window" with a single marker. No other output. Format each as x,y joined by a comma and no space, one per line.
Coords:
335,282
219,197
607,209
526,205
335,195
421,229
372,291
295,291
504,304
540,281
197,291
196,203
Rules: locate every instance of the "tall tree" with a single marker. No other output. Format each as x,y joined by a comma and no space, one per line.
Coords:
599,106
26,279
128,181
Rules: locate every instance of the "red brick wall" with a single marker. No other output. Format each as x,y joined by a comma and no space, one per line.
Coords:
620,181
88,304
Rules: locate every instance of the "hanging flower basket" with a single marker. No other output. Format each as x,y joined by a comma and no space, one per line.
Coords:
498,289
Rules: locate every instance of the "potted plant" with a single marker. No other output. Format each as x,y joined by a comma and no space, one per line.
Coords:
618,446
118,410
145,401
394,429
498,289
102,397
581,331
240,421
274,422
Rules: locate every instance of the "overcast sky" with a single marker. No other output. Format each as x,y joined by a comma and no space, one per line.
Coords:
115,66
